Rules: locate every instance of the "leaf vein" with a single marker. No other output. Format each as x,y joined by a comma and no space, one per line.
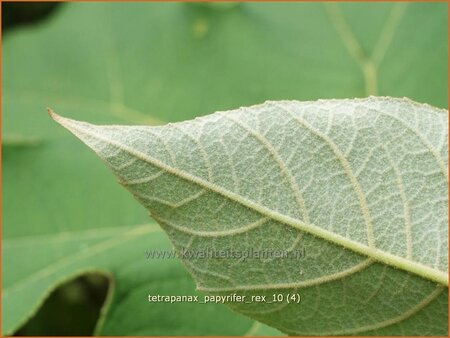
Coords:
377,254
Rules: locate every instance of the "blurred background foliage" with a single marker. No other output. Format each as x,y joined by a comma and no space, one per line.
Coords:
72,308
152,63
74,295
25,13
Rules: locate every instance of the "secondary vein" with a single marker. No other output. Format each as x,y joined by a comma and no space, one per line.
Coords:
80,130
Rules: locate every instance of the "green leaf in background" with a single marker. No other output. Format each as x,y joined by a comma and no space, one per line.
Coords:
119,254
360,185
147,63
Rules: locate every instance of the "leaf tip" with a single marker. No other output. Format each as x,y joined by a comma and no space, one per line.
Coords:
53,115
58,118
50,112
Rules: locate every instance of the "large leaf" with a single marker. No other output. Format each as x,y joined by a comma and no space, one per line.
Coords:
140,63
359,185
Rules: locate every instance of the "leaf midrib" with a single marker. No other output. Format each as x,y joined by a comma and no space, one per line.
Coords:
68,235
375,253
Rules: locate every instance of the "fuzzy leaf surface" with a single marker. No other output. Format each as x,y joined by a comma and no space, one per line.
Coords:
360,186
